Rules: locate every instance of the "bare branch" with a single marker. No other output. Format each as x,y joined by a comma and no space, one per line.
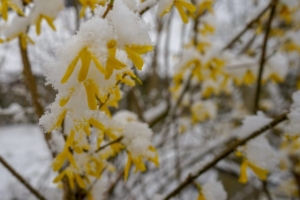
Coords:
110,143
21,179
224,154
263,55
248,26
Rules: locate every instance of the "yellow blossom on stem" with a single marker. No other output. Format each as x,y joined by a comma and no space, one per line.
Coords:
181,5
48,19
24,39
86,57
90,3
5,5
248,78
259,172
205,5
134,52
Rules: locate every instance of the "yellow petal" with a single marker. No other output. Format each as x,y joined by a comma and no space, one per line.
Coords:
71,159
50,22
97,124
141,49
4,9
90,94
190,7
98,64
59,161
64,101
249,78
139,164
86,129
82,12
80,181
59,120
70,139
16,8
38,25
135,58
114,63
105,109
260,173
201,196
85,64
70,69
29,39
128,82
183,15
111,64
108,72
59,177
243,174
71,179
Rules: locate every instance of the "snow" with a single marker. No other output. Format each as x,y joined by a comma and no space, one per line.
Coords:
24,148
137,138
293,127
214,190
152,113
252,123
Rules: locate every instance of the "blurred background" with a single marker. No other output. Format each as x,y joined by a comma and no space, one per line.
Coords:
22,142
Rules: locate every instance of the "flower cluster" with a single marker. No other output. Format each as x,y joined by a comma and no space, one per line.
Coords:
41,10
165,6
87,73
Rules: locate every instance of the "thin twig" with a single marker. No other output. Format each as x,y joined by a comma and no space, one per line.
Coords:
110,143
137,104
109,7
31,85
142,10
248,26
224,154
21,179
263,55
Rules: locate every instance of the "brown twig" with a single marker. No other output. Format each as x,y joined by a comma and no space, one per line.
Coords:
21,179
224,154
263,55
141,12
136,102
30,81
31,84
109,7
110,143
248,26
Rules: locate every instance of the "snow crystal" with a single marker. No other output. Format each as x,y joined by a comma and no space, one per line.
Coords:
163,6
293,127
125,116
214,190
46,8
130,31
259,152
252,123
131,4
18,25
137,138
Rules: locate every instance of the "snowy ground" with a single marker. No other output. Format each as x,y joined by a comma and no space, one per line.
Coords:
24,148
